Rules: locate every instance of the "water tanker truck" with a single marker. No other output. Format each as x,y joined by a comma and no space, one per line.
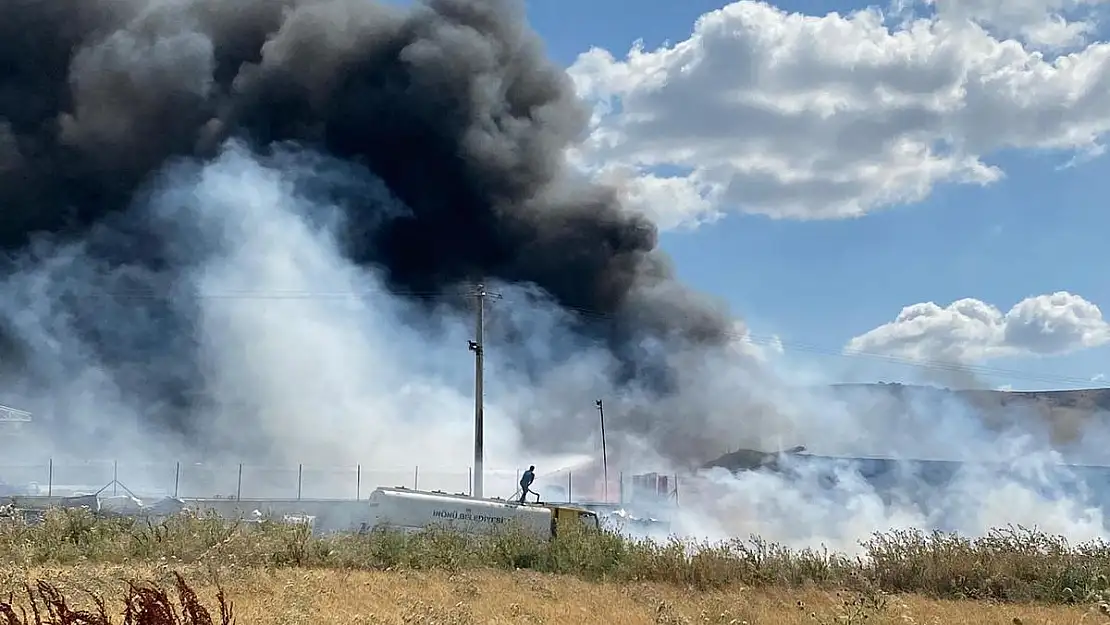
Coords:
413,510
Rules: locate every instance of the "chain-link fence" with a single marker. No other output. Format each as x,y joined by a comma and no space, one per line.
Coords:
248,481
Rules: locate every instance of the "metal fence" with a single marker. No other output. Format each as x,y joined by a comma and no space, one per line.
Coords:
247,481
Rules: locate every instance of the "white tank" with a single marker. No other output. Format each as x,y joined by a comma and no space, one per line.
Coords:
410,510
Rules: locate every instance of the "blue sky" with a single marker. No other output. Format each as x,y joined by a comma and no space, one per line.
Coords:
817,283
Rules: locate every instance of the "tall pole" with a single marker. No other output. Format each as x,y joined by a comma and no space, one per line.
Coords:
476,346
604,455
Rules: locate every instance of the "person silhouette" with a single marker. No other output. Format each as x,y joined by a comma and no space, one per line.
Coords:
526,481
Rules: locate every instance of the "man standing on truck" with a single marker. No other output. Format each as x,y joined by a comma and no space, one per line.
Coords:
526,481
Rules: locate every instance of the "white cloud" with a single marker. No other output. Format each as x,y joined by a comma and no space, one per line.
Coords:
671,202
808,117
970,330
1050,24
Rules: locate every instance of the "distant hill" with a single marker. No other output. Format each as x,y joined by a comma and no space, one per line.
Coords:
1091,399
1063,412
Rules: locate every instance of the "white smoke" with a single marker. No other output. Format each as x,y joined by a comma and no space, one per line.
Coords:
303,352
311,357
1014,477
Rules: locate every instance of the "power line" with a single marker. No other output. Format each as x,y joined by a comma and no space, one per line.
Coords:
755,339
935,365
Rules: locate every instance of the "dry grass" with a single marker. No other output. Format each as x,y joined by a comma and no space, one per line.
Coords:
280,573
313,596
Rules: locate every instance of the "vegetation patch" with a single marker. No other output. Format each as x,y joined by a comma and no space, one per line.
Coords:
1010,564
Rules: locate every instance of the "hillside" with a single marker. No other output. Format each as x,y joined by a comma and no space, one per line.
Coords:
1064,412
1091,399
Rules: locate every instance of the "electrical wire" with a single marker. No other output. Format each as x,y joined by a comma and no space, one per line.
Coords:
584,313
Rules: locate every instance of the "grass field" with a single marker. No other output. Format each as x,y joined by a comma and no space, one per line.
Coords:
281,574
315,596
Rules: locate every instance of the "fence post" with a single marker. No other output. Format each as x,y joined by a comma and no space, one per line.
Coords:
570,484
358,482
115,478
176,479
50,478
300,480
470,480
416,478
239,484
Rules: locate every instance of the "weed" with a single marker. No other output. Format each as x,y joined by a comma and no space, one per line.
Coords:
144,604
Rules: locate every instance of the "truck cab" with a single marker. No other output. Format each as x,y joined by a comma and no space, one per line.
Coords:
562,515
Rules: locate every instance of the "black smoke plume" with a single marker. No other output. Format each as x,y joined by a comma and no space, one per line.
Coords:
452,103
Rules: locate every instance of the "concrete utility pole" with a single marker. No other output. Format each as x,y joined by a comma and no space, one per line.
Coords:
604,456
478,347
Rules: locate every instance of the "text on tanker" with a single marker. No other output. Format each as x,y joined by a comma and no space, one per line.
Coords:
466,516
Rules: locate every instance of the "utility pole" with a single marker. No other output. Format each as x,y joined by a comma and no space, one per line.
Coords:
478,347
604,456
